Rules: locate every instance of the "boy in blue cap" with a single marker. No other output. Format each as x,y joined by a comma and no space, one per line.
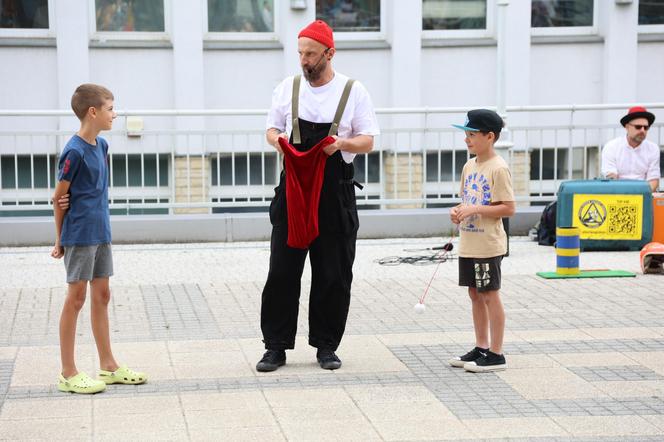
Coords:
486,197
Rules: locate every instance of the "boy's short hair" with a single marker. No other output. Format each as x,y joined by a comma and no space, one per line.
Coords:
496,134
89,95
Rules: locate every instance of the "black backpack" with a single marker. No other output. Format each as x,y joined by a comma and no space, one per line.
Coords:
546,231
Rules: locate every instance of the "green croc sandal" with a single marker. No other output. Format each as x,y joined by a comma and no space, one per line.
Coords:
123,375
80,383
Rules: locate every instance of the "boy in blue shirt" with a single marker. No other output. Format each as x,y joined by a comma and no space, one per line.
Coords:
83,237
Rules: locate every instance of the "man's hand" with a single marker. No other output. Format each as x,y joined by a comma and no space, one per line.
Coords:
611,175
58,251
331,148
654,184
465,211
276,141
273,136
63,202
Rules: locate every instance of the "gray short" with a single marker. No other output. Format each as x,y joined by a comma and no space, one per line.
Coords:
85,263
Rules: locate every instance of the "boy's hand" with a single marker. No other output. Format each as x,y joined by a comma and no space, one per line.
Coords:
464,211
63,202
58,251
454,215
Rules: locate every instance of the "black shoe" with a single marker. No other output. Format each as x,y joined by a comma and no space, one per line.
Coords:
272,359
472,355
489,362
328,360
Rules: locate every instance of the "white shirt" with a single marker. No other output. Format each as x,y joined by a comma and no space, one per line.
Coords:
319,104
631,163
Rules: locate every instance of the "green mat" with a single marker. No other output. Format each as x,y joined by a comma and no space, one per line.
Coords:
589,274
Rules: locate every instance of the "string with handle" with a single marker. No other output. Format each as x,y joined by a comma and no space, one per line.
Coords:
447,248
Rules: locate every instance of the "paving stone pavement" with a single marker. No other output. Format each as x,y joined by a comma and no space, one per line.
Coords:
585,356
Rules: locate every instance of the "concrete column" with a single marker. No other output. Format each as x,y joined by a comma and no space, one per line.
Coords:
515,65
620,51
73,64
405,37
188,76
520,170
403,174
517,56
192,178
403,178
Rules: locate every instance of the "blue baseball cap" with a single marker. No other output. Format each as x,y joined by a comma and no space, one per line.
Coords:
483,120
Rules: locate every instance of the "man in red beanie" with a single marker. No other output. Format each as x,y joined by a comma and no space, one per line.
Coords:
632,156
304,113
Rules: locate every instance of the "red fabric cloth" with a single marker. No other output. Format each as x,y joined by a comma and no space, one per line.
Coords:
304,180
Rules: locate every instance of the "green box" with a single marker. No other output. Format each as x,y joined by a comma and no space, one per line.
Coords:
611,214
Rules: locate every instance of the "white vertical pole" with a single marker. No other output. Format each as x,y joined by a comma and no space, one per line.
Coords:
504,143
501,56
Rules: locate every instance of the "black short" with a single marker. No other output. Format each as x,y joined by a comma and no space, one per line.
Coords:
481,273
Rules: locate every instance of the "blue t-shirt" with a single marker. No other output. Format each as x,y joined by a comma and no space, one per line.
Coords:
88,221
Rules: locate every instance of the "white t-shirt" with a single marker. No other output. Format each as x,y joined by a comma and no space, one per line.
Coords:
319,104
631,163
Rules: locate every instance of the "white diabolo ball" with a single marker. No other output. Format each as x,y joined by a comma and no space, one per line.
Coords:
419,308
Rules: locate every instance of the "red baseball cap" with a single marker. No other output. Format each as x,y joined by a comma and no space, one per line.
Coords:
319,31
637,112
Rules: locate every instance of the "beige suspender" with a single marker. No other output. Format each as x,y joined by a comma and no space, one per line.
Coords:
295,109
340,108
334,128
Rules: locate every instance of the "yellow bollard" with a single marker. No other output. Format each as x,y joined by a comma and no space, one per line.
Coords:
567,250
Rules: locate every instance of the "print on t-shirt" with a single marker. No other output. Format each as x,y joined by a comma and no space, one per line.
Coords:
476,192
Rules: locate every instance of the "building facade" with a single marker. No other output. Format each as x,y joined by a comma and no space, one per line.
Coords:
196,57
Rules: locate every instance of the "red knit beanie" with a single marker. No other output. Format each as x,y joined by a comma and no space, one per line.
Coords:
319,31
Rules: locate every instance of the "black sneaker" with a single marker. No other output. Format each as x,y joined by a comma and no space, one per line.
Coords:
327,359
272,359
489,362
472,355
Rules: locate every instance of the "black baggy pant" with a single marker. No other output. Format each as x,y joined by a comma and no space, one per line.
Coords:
331,256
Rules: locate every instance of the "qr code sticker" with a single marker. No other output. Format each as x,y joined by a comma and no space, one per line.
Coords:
622,219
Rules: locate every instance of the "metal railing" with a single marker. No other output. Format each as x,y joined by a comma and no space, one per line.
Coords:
225,164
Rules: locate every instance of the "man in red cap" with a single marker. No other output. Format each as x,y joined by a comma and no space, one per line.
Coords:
632,156
305,113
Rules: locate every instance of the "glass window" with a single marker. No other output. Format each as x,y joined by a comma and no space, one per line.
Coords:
651,12
370,162
129,15
24,14
127,170
453,14
240,15
228,166
548,164
561,13
446,159
350,15
37,170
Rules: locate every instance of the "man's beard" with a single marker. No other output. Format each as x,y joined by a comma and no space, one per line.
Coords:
314,73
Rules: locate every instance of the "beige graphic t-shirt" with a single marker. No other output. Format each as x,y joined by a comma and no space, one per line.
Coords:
483,184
